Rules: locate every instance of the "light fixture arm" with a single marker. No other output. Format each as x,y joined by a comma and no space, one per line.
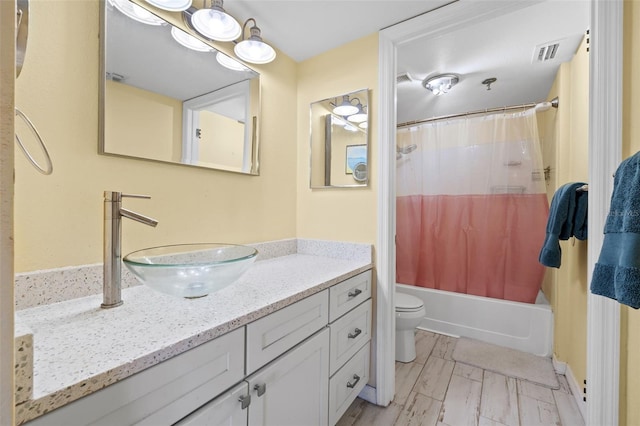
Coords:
254,31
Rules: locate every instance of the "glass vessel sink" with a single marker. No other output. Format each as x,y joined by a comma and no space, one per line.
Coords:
190,270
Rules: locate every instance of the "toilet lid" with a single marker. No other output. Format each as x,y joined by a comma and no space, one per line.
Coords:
406,302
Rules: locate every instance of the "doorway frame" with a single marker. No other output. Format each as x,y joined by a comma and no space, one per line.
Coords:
605,149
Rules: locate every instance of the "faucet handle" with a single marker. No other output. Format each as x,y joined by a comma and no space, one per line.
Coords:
135,196
117,196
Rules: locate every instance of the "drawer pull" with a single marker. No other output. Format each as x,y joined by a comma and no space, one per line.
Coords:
354,293
261,389
356,380
355,333
245,401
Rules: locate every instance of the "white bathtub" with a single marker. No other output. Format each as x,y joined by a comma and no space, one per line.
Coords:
523,326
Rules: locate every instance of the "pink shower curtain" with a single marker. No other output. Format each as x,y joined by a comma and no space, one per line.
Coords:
471,206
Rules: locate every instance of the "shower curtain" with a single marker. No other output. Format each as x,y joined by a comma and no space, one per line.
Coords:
471,206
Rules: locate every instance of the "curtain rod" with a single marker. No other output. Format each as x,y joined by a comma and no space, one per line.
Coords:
543,107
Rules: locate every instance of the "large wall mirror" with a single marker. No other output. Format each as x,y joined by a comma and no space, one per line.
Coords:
166,102
340,141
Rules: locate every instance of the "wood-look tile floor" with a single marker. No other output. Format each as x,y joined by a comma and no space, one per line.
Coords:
435,390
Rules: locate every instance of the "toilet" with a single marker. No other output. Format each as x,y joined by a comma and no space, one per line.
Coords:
409,313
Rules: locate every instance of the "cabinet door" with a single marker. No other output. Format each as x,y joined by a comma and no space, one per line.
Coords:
224,410
293,389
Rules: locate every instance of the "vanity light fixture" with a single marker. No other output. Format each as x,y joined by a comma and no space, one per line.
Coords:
364,125
136,12
350,127
441,84
346,108
253,49
189,41
171,5
230,63
215,23
359,116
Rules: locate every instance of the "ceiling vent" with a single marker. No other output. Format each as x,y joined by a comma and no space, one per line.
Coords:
404,78
545,52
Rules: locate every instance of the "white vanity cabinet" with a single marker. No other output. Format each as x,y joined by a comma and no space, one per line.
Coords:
230,409
350,315
293,390
301,365
162,394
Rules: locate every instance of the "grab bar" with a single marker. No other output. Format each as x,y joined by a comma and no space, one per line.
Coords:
33,129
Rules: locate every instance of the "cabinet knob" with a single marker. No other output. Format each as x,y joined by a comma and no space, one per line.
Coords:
260,388
356,379
245,401
355,333
354,293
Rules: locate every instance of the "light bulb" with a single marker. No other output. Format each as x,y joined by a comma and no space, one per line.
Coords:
215,24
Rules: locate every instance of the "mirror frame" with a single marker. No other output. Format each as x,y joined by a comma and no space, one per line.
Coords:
253,142
358,183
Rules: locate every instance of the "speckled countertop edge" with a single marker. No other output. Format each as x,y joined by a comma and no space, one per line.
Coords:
74,330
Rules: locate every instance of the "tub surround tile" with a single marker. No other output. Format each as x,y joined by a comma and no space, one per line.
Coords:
80,348
23,359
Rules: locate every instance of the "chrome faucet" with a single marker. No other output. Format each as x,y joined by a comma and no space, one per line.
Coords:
113,213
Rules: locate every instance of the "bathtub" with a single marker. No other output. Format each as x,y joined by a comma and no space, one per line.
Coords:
522,326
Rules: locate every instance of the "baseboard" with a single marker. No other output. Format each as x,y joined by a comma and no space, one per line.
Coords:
559,366
576,389
368,394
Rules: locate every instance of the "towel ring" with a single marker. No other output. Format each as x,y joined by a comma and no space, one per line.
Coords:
33,129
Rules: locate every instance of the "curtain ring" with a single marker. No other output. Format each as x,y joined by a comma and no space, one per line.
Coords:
33,129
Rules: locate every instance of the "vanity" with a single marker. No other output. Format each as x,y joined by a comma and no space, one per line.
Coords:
289,343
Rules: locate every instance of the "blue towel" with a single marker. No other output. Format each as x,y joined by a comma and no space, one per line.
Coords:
617,272
580,216
562,220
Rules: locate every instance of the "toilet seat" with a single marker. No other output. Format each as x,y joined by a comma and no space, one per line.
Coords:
407,303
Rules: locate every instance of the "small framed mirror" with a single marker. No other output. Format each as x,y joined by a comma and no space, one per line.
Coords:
167,95
340,141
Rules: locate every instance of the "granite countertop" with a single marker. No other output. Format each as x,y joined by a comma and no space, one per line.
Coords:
80,348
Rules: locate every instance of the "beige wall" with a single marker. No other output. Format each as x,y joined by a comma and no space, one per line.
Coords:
345,214
59,217
565,150
152,120
630,318
222,142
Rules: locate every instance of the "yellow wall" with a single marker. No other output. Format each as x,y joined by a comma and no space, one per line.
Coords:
59,217
630,318
222,142
346,214
152,120
565,150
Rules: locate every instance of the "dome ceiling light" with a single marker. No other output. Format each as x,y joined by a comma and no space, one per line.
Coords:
441,84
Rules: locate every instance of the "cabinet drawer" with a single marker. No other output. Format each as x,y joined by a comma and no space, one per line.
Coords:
161,394
347,383
348,334
273,335
348,294
224,410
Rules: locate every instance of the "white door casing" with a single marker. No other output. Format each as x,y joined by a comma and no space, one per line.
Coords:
605,143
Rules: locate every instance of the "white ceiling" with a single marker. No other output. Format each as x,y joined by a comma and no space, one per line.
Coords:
502,47
305,28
